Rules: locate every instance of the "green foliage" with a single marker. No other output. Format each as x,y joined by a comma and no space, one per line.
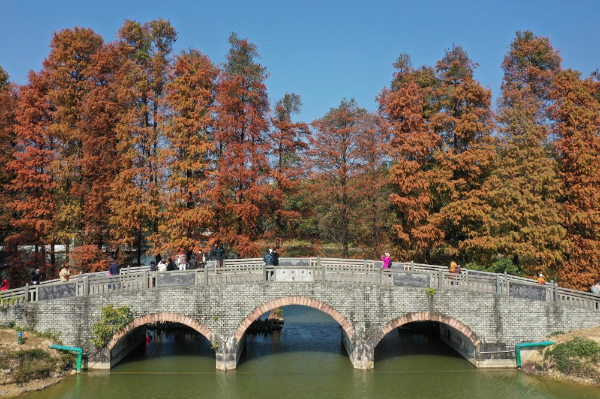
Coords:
5,303
575,357
279,312
501,265
112,321
430,292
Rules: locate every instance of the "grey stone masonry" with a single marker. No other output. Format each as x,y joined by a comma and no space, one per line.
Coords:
365,312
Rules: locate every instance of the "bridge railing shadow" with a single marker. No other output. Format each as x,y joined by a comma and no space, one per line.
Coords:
303,270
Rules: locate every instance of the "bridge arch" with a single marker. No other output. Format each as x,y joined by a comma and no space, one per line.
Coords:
294,300
160,317
427,316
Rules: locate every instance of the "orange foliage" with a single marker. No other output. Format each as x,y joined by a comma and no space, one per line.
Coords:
577,122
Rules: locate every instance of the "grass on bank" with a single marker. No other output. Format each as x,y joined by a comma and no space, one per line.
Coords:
30,358
579,357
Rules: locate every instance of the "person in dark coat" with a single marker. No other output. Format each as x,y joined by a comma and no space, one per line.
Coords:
113,270
36,276
218,252
171,265
193,263
152,266
268,259
275,256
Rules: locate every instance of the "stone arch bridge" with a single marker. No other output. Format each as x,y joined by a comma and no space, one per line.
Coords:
481,315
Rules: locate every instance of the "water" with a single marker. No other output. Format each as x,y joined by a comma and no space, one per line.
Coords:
306,360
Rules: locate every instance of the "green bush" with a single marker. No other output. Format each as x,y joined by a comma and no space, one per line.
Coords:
574,356
499,266
112,321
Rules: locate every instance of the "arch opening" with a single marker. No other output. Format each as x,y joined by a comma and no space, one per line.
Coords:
160,335
294,300
426,333
310,325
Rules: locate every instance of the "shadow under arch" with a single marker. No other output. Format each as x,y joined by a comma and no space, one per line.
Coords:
160,317
294,300
427,316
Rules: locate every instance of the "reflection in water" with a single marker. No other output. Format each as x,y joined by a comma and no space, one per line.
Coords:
306,360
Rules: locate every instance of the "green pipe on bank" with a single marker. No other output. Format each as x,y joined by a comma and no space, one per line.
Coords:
71,349
526,344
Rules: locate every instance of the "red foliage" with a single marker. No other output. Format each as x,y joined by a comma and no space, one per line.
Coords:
89,259
241,190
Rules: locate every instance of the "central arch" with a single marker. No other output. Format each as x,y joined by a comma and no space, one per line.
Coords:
427,316
160,317
294,300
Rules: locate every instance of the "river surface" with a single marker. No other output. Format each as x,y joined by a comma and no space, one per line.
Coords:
306,360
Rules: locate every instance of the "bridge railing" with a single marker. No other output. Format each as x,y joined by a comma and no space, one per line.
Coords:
351,271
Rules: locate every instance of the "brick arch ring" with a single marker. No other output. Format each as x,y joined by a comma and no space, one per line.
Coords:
427,316
294,300
160,317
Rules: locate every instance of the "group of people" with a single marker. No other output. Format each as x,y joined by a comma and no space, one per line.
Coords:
181,262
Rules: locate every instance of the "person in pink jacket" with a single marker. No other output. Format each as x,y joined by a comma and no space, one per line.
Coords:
386,260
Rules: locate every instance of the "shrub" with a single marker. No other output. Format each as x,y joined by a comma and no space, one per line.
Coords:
574,356
112,321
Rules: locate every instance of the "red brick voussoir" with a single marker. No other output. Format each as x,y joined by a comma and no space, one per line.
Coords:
428,316
160,317
294,300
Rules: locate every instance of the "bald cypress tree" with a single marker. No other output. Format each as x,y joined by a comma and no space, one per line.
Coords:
241,185
524,189
576,116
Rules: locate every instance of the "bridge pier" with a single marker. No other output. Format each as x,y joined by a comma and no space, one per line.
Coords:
227,353
361,354
362,357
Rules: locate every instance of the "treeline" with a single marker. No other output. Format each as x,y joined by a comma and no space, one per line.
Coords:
124,148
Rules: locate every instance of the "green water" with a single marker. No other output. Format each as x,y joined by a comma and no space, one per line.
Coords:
306,360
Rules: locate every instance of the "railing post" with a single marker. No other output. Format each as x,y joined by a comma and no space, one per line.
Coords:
411,266
146,283
264,268
498,285
555,291
440,277
86,286
26,296
206,275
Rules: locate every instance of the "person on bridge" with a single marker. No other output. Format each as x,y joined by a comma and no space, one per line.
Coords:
193,263
541,280
275,256
113,270
64,274
162,266
171,265
181,261
36,276
4,285
595,288
268,259
218,252
386,260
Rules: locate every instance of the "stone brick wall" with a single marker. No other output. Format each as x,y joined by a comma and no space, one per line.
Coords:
365,312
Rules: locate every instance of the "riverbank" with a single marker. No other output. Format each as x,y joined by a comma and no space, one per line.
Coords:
574,357
29,365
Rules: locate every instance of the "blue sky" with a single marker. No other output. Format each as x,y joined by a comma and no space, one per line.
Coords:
321,50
